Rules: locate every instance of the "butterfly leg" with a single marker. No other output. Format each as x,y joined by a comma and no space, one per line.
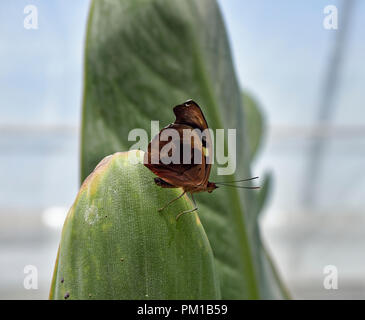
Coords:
188,211
167,204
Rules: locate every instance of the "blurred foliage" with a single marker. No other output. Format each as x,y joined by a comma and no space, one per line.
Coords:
254,122
142,58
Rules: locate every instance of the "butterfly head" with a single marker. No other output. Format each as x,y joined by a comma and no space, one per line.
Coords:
211,186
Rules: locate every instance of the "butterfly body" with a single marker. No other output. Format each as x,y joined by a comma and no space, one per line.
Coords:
184,173
190,173
209,187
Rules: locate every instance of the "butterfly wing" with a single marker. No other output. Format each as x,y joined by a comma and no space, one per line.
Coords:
194,173
166,158
189,113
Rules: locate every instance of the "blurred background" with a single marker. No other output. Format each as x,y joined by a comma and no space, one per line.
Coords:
308,81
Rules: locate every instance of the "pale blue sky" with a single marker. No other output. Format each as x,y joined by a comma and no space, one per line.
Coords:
280,50
41,70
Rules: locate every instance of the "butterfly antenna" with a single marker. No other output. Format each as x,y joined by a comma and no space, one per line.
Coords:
238,180
234,186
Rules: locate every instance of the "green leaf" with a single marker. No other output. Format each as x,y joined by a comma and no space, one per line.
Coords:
264,192
144,57
272,286
115,245
254,122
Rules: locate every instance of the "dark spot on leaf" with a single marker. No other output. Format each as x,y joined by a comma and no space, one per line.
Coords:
66,295
122,259
62,280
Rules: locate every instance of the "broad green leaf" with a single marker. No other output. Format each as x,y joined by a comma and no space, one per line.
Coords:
115,245
254,122
271,285
144,57
264,193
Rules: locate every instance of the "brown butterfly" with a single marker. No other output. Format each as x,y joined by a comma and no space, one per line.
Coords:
192,176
